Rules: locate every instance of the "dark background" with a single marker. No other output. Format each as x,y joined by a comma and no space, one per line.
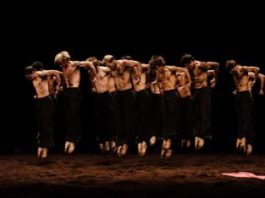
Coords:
213,32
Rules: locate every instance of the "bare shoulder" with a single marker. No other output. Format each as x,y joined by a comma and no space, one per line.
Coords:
42,73
74,63
104,69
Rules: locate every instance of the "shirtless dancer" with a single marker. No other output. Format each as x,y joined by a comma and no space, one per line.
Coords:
170,104
202,95
156,87
112,91
45,106
244,106
103,104
71,73
124,100
143,106
52,81
186,108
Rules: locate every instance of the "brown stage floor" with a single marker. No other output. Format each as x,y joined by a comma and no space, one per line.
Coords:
91,175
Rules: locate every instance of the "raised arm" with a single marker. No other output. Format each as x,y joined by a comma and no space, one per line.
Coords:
54,73
253,69
145,67
212,65
212,73
176,69
86,64
131,63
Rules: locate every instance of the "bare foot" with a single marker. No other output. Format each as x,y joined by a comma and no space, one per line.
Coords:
249,149
119,148
113,146
238,142
168,144
188,144
101,147
69,147
42,152
168,153
139,146
162,153
124,149
152,140
241,143
143,149
107,146
199,143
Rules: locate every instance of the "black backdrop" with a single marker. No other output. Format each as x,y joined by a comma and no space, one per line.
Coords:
214,33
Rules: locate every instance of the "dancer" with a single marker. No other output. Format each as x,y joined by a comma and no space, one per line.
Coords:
44,104
244,104
124,100
202,95
71,73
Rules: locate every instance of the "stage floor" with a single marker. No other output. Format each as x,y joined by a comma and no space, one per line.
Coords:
95,175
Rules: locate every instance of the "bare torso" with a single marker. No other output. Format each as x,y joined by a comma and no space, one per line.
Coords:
71,75
182,85
241,79
41,86
199,75
111,85
169,78
139,79
122,77
102,80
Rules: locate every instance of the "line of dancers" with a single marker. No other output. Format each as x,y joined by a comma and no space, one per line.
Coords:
141,101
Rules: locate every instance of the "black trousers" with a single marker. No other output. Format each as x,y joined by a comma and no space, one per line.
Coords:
170,114
203,107
104,115
156,114
45,116
245,116
72,102
143,115
124,113
187,118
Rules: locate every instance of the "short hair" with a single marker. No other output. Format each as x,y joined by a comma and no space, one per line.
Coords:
28,70
156,61
186,59
229,64
37,65
61,57
127,57
108,59
94,60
